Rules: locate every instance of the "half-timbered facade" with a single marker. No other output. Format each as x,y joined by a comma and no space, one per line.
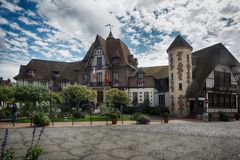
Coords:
193,83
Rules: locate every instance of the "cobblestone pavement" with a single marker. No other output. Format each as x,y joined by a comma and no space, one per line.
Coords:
135,142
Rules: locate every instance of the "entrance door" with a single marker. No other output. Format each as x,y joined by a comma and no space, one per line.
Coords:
100,97
191,108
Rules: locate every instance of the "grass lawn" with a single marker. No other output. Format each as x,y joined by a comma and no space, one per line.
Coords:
86,119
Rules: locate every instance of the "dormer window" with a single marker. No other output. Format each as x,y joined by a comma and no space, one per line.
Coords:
115,60
140,79
99,61
30,73
56,74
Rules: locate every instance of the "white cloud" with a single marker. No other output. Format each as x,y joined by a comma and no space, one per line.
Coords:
76,18
64,53
3,21
27,21
12,69
10,6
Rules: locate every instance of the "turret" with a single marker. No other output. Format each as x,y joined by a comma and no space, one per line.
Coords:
180,75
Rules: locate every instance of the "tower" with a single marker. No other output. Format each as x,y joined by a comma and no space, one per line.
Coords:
180,75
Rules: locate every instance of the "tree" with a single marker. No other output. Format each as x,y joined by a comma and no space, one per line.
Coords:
115,98
31,94
6,93
76,94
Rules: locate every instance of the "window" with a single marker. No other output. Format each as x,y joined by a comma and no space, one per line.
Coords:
115,60
135,95
187,58
99,79
216,101
161,100
115,77
85,78
210,100
30,82
99,61
233,101
171,76
221,78
146,96
135,98
43,83
140,80
30,73
180,86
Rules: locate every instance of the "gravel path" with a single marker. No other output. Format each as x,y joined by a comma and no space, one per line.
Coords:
135,142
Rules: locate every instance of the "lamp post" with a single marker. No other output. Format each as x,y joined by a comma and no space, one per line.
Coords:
51,90
122,112
73,109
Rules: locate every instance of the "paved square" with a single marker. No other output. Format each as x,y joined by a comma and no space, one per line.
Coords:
134,142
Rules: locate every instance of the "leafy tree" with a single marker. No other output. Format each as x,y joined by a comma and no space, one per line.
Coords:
6,93
115,98
76,94
31,94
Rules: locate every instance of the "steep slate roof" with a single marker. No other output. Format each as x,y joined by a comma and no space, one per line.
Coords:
110,36
207,59
111,47
43,70
157,72
179,42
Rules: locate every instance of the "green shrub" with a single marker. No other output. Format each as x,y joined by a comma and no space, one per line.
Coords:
166,115
79,114
9,154
237,116
223,116
34,152
142,118
40,119
113,115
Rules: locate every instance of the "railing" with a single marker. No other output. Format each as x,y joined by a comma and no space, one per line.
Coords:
229,88
98,84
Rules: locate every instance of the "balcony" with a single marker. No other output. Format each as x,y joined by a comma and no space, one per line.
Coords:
100,84
226,88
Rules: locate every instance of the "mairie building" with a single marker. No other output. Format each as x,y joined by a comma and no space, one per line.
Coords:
207,80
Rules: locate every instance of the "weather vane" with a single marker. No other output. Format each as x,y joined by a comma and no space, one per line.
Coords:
110,26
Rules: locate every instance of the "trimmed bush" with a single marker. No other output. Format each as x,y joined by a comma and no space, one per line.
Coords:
40,119
166,117
223,117
79,114
114,115
142,118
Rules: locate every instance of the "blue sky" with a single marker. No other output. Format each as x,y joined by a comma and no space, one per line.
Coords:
63,30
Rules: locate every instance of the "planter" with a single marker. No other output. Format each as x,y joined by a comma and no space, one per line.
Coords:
114,121
143,122
166,120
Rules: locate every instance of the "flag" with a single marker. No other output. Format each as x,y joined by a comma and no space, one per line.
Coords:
94,74
106,77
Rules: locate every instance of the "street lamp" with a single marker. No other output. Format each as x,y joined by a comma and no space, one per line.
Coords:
51,89
73,110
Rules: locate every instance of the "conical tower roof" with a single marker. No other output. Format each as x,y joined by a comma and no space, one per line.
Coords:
179,42
110,35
